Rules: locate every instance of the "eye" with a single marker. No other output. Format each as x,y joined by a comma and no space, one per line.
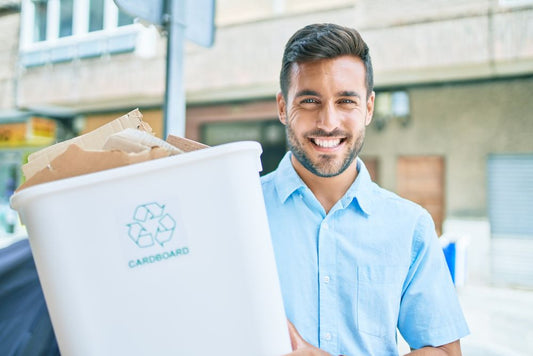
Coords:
309,101
347,101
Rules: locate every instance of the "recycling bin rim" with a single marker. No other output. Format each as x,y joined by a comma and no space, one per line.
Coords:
18,199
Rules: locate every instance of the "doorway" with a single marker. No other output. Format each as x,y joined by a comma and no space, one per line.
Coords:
421,179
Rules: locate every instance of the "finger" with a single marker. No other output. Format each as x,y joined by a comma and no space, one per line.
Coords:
297,341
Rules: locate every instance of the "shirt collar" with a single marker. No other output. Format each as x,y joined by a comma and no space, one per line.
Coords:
287,182
360,190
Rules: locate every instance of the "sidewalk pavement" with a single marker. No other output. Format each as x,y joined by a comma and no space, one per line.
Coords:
500,321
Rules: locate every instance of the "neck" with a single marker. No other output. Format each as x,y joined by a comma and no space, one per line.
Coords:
328,190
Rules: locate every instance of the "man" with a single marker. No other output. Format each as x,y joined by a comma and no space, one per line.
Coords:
355,261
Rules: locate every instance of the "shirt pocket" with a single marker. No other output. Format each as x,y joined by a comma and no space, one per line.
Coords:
378,299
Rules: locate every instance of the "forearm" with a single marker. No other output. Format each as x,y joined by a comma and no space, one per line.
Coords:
451,349
429,351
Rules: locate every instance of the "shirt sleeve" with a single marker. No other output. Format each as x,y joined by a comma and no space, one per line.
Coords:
430,313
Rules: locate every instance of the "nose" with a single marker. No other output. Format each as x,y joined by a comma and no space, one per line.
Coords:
328,118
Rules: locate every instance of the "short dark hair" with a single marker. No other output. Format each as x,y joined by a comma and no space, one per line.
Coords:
324,41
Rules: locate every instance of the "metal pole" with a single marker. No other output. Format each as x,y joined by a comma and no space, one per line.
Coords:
174,109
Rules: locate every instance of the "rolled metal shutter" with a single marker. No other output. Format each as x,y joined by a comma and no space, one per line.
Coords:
510,207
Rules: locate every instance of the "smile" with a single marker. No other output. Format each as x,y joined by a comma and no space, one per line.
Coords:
327,143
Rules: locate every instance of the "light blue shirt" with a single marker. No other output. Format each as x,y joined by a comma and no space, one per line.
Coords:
349,278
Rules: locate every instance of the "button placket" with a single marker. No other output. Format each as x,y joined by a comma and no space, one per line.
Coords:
327,256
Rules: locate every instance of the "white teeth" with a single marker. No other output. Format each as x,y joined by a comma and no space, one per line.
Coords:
327,143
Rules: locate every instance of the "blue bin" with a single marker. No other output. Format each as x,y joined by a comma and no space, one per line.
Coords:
450,255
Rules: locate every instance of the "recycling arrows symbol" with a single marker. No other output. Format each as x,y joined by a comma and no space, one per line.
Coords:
151,225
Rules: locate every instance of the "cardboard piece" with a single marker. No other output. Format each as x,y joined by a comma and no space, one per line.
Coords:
93,140
132,140
123,141
76,161
185,144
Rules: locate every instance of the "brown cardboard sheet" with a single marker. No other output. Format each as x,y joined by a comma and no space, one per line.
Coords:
112,145
76,161
93,140
185,144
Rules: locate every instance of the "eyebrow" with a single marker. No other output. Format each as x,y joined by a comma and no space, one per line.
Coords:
306,92
349,93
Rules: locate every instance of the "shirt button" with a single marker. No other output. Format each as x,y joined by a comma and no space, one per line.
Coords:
327,336
326,279
325,225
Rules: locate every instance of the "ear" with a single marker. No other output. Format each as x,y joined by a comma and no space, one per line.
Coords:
282,108
370,108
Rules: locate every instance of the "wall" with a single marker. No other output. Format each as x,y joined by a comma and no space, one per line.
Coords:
95,84
464,123
411,42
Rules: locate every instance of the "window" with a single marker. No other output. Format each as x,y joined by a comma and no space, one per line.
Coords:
39,26
65,18
96,15
124,19
61,30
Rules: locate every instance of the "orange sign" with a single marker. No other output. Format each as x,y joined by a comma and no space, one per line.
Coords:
11,133
36,131
43,127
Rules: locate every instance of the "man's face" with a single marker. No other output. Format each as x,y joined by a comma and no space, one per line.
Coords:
326,113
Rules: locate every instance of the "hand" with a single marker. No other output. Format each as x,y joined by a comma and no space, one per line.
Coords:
300,347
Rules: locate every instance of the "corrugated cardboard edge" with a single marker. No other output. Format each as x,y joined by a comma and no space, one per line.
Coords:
93,140
185,144
76,161
133,140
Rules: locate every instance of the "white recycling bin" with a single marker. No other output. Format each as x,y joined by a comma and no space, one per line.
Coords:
166,257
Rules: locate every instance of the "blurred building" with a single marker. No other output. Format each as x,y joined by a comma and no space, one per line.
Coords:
454,82
9,158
